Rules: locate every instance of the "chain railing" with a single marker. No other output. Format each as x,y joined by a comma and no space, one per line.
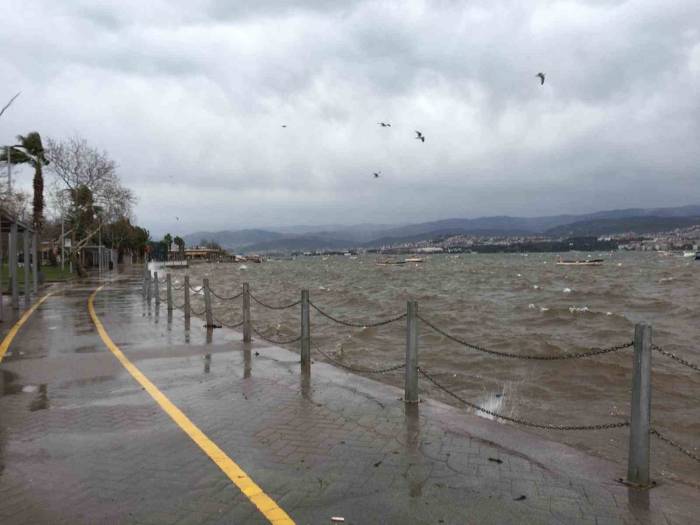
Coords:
535,357
354,324
275,341
674,444
680,360
360,370
639,424
272,306
519,421
225,298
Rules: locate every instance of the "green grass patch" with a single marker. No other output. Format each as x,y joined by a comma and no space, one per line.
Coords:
51,274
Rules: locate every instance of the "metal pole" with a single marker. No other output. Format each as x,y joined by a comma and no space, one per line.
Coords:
149,288
169,291
1,286
246,313
187,298
9,171
35,262
12,261
99,248
25,256
156,288
63,246
305,332
411,383
640,418
207,304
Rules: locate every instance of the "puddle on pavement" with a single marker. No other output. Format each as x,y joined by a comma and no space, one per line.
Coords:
9,387
87,349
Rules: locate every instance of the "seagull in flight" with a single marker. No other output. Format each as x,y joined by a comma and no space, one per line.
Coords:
384,124
541,77
177,218
376,174
284,125
420,136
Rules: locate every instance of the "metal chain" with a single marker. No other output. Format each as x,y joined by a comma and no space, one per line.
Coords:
178,288
228,325
576,355
545,426
675,445
360,370
195,291
195,312
273,307
224,298
273,341
356,325
680,360
179,306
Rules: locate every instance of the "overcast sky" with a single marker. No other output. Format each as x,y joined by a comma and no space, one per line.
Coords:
189,98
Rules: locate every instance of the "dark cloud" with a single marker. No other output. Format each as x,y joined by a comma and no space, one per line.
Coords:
189,97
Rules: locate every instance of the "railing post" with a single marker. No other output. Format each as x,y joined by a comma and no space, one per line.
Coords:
640,418
12,263
187,298
149,288
35,262
207,304
26,257
156,288
411,382
305,332
169,291
145,281
246,313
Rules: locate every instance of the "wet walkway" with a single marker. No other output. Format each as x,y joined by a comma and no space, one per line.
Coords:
81,441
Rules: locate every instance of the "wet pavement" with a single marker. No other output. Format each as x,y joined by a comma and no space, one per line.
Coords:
82,442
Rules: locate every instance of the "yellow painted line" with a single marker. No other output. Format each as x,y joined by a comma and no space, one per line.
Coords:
247,486
13,331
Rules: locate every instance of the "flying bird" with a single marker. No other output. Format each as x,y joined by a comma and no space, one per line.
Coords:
541,77
284,125
420,136
376,174
177,218
384,124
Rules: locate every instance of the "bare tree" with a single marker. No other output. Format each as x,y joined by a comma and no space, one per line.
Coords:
77,164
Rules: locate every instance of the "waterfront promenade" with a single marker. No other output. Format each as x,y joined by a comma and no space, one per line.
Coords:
111,412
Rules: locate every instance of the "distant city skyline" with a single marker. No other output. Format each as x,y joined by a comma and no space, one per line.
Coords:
190,99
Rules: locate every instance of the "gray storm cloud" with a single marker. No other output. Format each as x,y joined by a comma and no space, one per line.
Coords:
189,99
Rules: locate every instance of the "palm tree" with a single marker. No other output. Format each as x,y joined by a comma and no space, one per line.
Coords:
30,150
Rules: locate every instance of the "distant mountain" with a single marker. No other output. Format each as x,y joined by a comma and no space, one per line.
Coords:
335,237
233,240
643,224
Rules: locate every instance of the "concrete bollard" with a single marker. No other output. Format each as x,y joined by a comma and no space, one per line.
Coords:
187,298
640,417
156,288
149,288
246,313
207,304
169,291
305,332
411,378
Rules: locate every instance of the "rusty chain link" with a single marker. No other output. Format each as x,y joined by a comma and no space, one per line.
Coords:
223,297
273,307
273,341
675,445
359,370
536,357
545,426
356,325
680,360
227,325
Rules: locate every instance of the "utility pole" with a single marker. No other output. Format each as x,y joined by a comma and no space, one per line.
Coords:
63,245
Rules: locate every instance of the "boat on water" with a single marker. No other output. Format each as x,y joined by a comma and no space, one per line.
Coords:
690,254
389,262
580,262
414,260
